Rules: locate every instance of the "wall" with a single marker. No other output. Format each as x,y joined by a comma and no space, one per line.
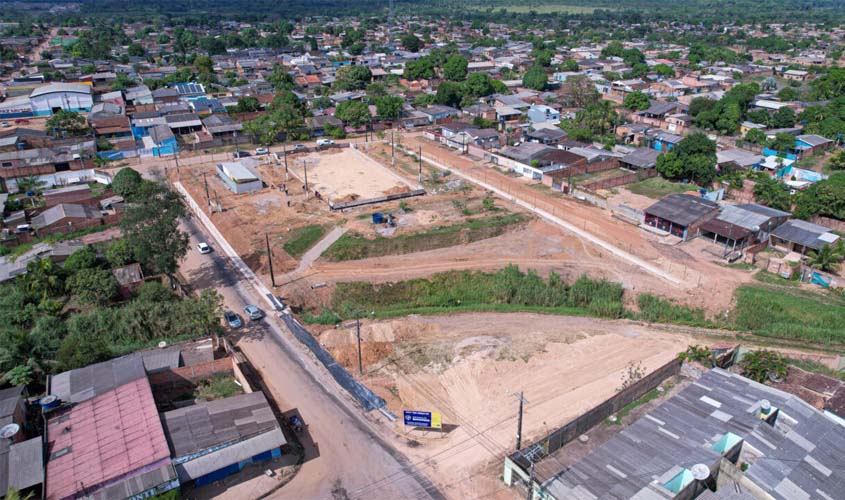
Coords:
169,384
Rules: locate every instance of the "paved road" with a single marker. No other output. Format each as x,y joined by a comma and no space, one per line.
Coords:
343,449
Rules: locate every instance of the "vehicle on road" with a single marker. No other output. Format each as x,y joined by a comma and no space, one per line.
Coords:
241,154
324,142
203,247
232,319
253,312
262,151
4,124
300,147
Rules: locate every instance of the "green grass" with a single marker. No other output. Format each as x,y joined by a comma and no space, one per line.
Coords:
303,238
658,187
764,276
506,290
657,310
326,317
354,246
790,313
219,386
19,250
647,397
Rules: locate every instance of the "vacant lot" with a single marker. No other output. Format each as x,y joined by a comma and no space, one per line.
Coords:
658,187
467,366
347,174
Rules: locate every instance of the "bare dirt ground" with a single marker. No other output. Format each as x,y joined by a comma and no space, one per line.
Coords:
467,366
621,196
706,283
347,174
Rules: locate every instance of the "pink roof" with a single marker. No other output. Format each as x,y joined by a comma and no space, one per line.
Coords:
111,435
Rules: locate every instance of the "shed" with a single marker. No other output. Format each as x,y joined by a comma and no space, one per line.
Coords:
681,214
802,236
240,176
69,194
640,159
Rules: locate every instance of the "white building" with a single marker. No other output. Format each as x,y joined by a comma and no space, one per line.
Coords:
53,97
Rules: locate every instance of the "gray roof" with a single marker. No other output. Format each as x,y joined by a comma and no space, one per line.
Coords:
205,425
50,88
814,140
129,487
547,133
642,158
217,124
805,233
10,398
21,464
743,218
228,455
11,268
67,189
682,209
660,108
800,453
161,359
762,209
740,157
63,211
82,384
526,151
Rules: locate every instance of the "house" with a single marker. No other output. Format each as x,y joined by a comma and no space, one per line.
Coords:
640,159
681,214
11,268
185,123
221,125
722,436
66,218
110,443
665,141
79,193
657,113
241,176
214,439
437,112
548,136
165,95
21,459
796,75
738,158
480,110
542,113
810,144
739,225
160,141
129,278
801,236
317,124
51,98
115,127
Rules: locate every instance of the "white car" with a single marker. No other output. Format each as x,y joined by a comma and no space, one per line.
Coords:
325,142
262,151
253,312
203,247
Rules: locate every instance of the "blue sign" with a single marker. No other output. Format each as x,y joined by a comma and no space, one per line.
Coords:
417,418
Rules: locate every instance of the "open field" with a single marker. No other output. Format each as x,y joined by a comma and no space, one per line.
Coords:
346,174
467,365
658,187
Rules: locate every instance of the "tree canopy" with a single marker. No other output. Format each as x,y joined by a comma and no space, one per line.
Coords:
693,158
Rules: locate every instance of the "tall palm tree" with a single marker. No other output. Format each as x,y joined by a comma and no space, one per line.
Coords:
827,258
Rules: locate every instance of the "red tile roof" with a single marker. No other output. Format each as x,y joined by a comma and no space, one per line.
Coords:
110,436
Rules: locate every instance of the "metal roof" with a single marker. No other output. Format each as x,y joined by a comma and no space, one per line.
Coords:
642,158
228,455
82,384
51,88
210,424
805,233
799,452
10,398
743,218
25,465
682,209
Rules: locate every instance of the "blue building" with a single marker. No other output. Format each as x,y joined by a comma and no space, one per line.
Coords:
542,113
215,439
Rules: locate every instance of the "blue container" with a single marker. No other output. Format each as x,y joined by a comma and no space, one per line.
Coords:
378,218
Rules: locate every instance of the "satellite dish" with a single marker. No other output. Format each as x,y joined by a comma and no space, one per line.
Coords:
9,431
162,344
47,400
765,405
700,472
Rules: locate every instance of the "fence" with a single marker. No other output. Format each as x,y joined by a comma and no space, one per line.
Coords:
559,438
620,181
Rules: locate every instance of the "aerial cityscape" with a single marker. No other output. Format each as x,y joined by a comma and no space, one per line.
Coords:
422,249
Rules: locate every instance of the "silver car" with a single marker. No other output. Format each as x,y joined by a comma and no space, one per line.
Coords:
253,312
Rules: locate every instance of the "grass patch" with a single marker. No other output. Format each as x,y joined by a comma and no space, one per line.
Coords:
507,290
744,266
658,187
773,279
326,317
303,238
816,367
657,310
219,386
354,246
791,313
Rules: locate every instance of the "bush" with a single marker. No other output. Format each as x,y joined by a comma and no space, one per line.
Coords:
326,317
760,365
657,310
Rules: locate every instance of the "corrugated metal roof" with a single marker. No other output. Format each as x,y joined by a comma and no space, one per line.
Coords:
803,233
77,88
79,385
10,398
223,457
26,464
682,209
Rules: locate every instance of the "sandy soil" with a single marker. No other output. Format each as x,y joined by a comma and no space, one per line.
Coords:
624,197
467,367
346,174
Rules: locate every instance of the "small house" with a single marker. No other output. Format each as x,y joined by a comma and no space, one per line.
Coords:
240,177
681,214
66,218
801,236
79,193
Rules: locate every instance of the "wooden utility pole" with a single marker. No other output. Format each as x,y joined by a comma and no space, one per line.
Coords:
522,401
270,259
420,158
392,149
207,197
358,331
305,165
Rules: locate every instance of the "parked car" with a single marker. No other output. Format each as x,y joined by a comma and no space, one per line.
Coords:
253,312
4,124
324,142
240,154
299,147
232,319
262,151
203,247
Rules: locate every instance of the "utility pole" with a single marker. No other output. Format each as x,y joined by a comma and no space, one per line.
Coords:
207,198
358,331
270,258
285,155
522,401
420,158
219,206
392,149
530,494
307,194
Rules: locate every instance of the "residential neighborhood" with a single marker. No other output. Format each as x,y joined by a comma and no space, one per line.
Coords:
416,249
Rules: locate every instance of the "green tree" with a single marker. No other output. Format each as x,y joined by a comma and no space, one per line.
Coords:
773,193
136,50
153,291
44,278
81,348
80,260
389,107
828,258
68,122
595,120
837,161
151,225
787,94
478,85
636,101
353,113
693,158
94,286
410,42
535,78
826,198
126,182
455,68
281,78
247,104
353,78
782,142
423,68
449,94
783,118
570,65
664,70
755,136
